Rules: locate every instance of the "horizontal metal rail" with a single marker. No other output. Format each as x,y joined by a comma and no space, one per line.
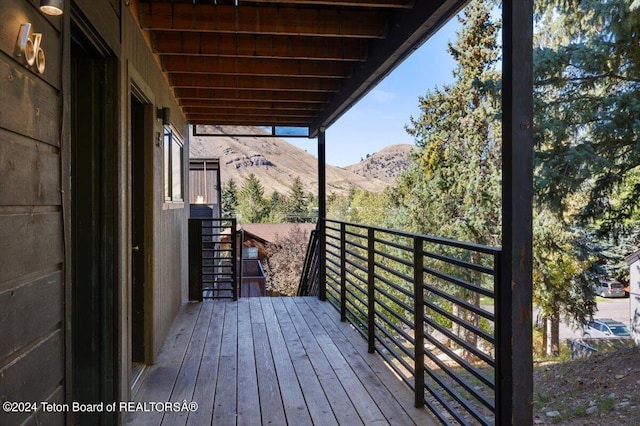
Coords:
427,306
213,259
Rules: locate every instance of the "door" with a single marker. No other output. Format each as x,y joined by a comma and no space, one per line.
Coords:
138,234
93,225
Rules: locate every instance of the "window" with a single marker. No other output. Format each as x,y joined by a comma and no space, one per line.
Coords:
173,156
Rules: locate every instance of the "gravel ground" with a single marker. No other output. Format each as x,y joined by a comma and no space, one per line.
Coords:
603,389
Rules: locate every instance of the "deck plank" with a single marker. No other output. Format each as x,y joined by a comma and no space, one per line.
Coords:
384,375
248,397
339,401
205,384
295,407
320,411
362,401
272,408
159,380
263,361
186,381
225,400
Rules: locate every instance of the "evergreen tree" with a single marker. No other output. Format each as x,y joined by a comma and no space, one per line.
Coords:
277,208
453,187
297,203
252,207
587,93
229,199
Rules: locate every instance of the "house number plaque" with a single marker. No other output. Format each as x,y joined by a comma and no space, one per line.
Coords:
29,48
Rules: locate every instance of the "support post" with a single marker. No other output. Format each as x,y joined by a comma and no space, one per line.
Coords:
418,309
236,277
322,215
371,291
514,391
343,272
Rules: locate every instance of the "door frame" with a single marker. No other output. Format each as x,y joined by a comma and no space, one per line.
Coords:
142,93
93,374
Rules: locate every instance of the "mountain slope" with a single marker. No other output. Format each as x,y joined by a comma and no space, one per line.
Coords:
385,165
274,161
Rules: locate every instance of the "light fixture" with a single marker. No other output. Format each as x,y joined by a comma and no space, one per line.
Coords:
51,7
164,114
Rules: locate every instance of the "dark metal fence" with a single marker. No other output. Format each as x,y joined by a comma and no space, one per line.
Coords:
308,285
213,253
426,305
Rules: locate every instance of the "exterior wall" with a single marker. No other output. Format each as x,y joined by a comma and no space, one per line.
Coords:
31,236
168,274
35,219
634,295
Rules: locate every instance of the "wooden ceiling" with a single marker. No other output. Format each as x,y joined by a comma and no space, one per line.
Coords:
299,63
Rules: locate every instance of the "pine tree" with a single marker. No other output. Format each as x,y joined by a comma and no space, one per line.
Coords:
453,187
587,92
229,199
277,208
297,203
252,207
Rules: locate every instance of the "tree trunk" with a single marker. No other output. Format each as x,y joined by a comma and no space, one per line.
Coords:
553,334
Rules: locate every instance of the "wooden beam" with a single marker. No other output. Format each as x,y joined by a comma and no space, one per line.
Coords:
244,66
249,82
217,95
233,112
267,120
298,21
206,105
258,46
514,381
404,4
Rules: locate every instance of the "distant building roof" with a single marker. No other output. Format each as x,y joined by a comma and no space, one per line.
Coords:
271,232
633,257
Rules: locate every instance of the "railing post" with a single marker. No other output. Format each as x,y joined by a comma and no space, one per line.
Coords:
418,309
343,272
195,259
235,276
371,292
322,214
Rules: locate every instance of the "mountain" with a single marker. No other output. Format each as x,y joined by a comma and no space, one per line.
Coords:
385,165
273,160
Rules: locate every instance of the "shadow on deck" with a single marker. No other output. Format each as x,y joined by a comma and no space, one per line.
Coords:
275,361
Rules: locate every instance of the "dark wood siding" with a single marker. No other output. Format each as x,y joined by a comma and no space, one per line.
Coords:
31,235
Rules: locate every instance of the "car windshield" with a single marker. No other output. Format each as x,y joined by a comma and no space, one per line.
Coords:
615,285
619,330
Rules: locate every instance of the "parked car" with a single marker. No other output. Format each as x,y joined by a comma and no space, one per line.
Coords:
609,287
605,327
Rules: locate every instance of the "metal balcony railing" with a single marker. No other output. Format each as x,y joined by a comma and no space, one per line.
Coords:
426,305
213,259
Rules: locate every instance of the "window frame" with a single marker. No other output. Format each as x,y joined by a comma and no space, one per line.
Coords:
172,139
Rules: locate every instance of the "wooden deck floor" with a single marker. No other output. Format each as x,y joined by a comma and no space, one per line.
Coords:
271,361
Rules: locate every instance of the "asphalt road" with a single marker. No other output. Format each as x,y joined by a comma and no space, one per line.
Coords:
616,309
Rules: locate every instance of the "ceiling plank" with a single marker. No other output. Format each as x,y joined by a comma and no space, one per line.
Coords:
267,120
249,82
298,21
202,104
244,66
217,95
382,4
258,46
231,112
396,4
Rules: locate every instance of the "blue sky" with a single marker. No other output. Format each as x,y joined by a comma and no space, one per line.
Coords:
380,117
